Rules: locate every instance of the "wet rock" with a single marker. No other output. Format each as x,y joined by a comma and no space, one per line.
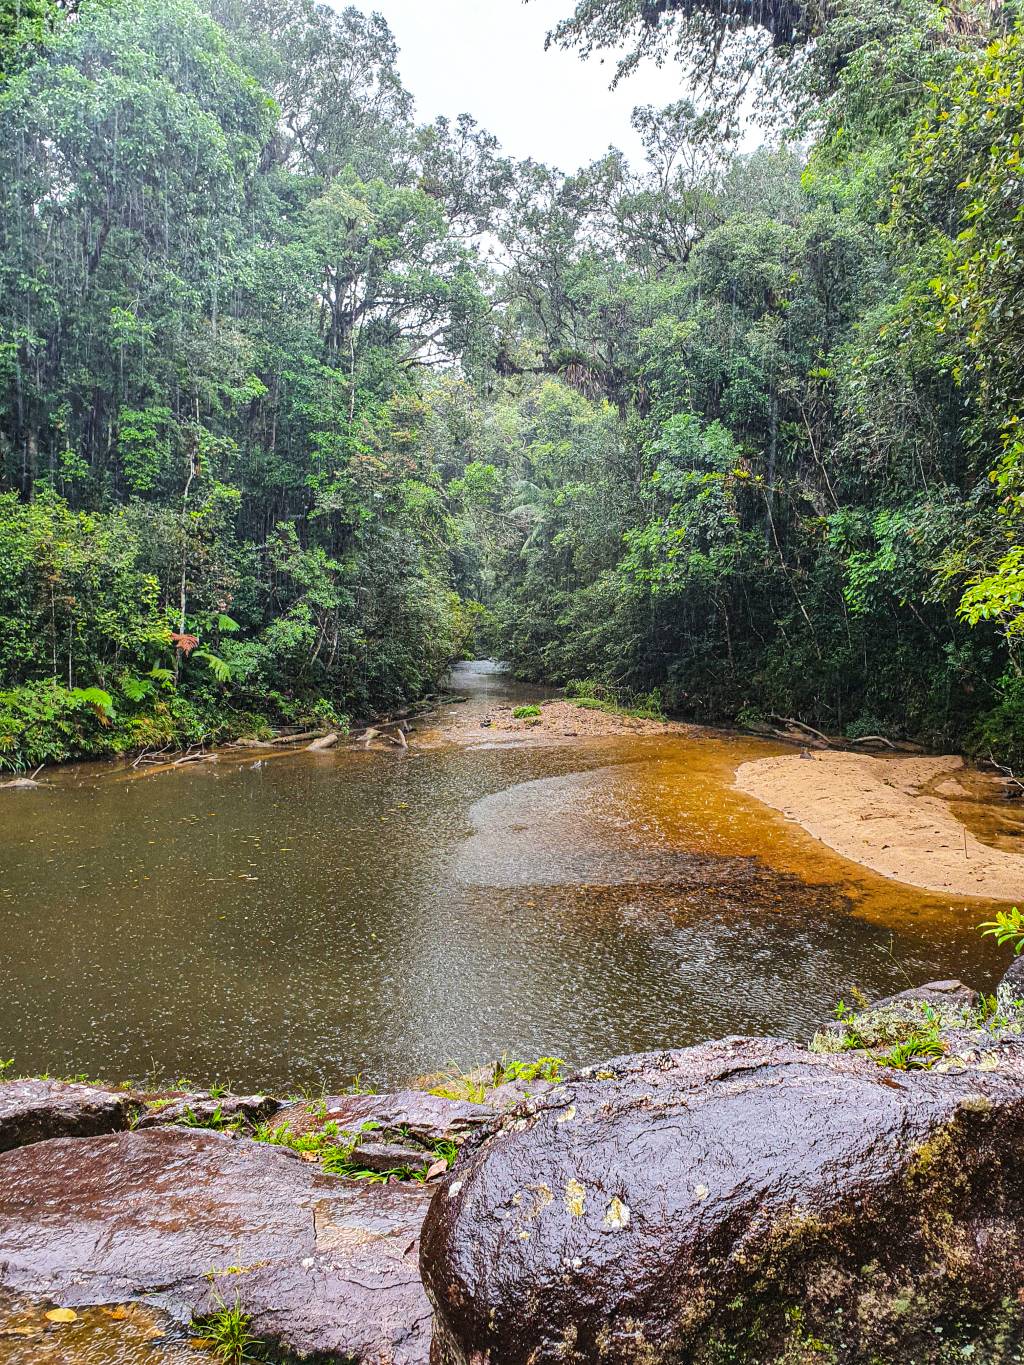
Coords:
511,1093
34,1110
949,1006
746,1201
427,1118
201,1109
174,1219
390,1156
1013,978
951,994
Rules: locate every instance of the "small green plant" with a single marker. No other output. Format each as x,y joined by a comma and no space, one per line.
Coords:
5,1066
228,1334
1007,927
446,1151
916,1053
595,696
526,712
218,1120
543,1069
475,1086
335,1150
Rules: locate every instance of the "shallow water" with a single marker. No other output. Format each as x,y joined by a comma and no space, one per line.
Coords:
97,1336
298,919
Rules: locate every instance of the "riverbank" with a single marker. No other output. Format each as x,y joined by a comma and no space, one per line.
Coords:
434,1226
891,815
557,720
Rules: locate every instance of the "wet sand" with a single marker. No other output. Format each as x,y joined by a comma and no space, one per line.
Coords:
890,815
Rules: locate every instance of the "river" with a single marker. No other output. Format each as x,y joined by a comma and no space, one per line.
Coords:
295,920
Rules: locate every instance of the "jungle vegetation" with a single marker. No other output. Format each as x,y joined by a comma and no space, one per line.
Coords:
301,400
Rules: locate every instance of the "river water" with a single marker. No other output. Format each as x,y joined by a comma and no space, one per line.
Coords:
298,919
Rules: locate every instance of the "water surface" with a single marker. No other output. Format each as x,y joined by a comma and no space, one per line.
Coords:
297,919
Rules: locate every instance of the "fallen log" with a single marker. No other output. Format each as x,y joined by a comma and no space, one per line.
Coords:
874,739
806,729
301,738
1009,776
324,742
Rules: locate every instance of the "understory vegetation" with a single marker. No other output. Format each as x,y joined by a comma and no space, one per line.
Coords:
301,401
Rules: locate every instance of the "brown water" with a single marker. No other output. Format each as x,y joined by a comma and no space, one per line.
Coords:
97,1336
302,918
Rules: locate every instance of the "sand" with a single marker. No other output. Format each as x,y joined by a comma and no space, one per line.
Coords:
876,812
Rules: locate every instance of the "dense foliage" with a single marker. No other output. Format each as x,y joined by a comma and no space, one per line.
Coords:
300,401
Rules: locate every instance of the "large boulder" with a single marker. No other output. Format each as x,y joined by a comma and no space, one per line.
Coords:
35,1110
743,1201
179,1219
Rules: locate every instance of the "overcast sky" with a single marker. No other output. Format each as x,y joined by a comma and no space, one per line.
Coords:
487,58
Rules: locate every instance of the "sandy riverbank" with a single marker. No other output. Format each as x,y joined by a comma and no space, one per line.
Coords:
559,722
890,815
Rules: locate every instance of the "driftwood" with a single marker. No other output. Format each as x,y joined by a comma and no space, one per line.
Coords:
301,738
324,742
195,758
1009,776
873,739
398,739
806,729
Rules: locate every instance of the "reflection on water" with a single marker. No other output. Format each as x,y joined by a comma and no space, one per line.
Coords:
309,917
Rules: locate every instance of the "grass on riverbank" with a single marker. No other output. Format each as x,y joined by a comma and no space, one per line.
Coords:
595,696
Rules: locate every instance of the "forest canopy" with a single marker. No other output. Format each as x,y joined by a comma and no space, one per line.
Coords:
301,400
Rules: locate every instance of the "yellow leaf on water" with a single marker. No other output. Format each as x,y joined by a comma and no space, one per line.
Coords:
62,1315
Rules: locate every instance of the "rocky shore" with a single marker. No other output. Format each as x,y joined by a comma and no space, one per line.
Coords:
748,1200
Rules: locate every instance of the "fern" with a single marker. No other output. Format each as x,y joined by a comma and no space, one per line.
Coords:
135,689
220,670
101,702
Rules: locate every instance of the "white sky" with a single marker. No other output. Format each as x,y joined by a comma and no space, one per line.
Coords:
487,58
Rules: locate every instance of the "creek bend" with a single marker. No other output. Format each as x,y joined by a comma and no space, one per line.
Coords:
301,919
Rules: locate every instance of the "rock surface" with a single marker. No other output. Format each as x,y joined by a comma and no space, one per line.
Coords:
428,1118
174,1218
201,1109
1013,978
952,994
33,1111
743,1201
